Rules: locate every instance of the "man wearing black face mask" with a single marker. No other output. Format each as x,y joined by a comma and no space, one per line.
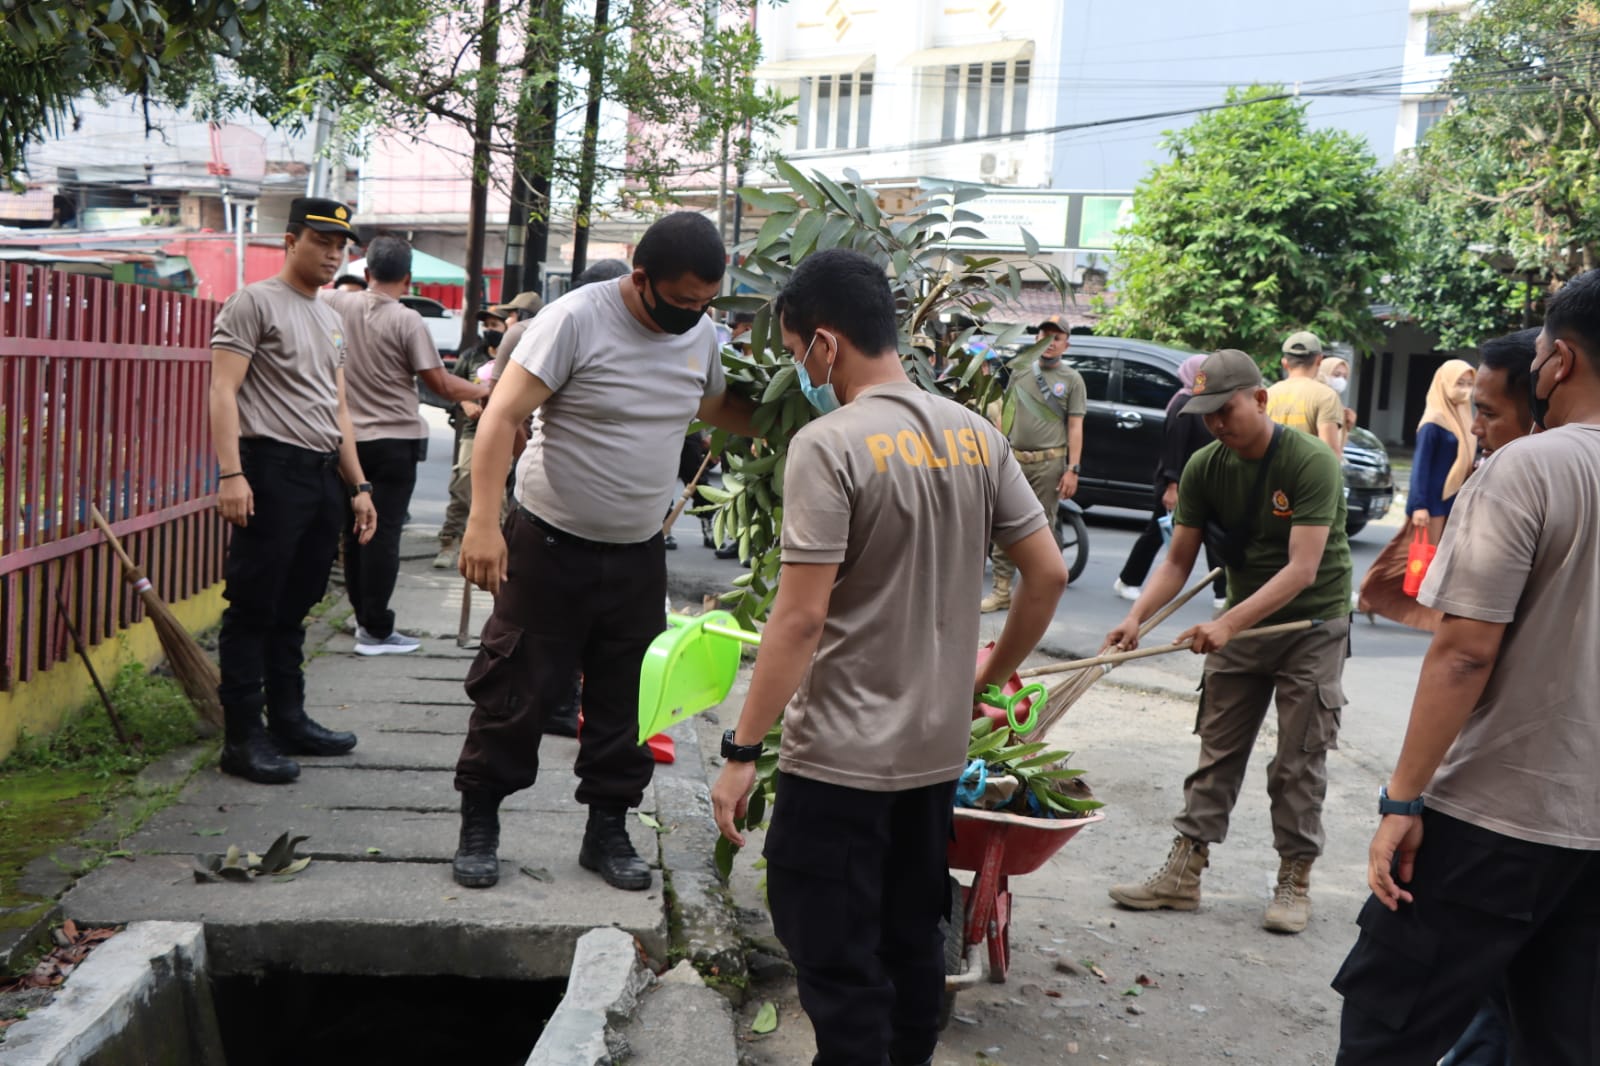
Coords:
612,374
1485,867
464,420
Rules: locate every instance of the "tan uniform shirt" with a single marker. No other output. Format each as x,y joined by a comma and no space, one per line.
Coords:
388,347
1305,404
1035,425
295,344
903,490
1520,548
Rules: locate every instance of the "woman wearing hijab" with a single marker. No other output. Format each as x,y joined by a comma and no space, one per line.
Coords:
1335,373
1443,459
1184,435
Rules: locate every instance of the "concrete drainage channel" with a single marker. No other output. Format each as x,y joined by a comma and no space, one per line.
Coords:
148,995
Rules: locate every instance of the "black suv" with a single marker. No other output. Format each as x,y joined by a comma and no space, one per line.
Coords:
1129,383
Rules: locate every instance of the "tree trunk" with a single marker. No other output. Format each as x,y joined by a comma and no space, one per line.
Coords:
591,137
528,231
478,213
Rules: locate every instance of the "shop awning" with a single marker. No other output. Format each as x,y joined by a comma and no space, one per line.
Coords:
992,52
813,67
425,270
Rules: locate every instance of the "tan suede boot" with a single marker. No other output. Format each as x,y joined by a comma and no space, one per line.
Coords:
1175,886
1290,908
1000,598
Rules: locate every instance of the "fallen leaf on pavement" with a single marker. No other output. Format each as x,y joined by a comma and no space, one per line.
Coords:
538,873
766,1019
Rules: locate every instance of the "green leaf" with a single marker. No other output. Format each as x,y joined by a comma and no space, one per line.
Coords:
649,820
374,851
766,1019
723,854
773,229
781,382
768,201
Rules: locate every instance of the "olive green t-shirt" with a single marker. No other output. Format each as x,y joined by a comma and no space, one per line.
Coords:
1031,420
1304,487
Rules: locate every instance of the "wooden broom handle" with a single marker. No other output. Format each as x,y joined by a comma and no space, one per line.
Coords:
111,538
688,491
1160,649
1172,608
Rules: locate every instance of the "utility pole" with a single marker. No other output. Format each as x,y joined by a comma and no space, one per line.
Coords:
318,178
591,136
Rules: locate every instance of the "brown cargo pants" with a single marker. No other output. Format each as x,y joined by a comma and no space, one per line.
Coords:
1304,671
1044,477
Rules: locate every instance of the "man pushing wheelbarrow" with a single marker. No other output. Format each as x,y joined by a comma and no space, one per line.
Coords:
889,503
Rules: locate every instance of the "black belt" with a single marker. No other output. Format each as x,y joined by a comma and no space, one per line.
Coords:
292,454
582,542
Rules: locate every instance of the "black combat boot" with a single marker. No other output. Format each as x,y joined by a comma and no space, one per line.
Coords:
248,751
608,851
296,733
476,863
563,718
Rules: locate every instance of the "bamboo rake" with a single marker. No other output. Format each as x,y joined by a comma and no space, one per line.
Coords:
688,493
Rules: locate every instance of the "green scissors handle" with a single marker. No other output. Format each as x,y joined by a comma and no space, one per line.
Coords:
1033,695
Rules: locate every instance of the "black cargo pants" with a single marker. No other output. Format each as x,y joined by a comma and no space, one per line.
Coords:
567,605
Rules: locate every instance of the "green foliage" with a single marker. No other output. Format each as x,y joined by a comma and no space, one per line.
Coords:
926,278
1256,226
1042,774
52,51
1499,201
154,711
405,66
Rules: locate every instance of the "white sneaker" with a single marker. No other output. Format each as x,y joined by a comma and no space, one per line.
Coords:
396,643
1127,592
1219,603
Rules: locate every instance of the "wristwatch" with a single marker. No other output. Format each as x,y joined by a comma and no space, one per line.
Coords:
736,752
1389,806
356,490
1073,469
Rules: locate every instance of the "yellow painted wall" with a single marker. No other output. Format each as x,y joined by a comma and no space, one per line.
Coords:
39,704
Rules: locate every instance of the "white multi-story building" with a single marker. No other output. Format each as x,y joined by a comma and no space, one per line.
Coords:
1427,60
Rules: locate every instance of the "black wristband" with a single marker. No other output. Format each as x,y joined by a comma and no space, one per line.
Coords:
236,473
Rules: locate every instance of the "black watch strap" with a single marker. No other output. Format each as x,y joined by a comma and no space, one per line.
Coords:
356,490
736,752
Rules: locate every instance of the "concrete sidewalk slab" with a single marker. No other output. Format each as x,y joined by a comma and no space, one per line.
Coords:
329,785
526,838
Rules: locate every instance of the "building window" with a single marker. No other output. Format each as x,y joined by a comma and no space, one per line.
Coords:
1429,112
990,98
1439,24
833,111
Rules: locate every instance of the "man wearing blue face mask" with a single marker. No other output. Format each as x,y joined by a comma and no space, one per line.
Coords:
889,502
612,374
1042,416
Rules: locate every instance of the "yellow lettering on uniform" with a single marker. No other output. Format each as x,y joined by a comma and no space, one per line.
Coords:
950,456
913,454
969,447
881,447
934,462
983,446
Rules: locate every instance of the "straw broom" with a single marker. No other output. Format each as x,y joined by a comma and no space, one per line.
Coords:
1061,699
193,668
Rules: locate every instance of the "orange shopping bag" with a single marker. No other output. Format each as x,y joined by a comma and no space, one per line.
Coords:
1417,560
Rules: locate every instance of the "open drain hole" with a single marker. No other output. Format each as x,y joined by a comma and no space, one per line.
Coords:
282,1016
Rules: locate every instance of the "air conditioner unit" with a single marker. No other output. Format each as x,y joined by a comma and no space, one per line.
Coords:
998,168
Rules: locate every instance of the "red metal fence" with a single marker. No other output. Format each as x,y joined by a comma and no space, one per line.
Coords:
103,400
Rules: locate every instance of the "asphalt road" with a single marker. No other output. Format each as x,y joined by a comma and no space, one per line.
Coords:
1379,679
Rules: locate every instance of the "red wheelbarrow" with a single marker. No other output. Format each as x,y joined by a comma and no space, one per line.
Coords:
995,846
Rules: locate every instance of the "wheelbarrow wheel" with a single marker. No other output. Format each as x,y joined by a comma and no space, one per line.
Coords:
955,949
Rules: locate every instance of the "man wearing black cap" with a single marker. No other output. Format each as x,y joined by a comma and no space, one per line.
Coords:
284,440
1279,496
1042,416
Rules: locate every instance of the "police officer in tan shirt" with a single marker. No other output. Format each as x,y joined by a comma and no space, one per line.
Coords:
283,438
894,488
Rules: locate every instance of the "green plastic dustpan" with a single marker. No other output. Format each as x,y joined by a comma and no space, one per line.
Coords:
689,668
